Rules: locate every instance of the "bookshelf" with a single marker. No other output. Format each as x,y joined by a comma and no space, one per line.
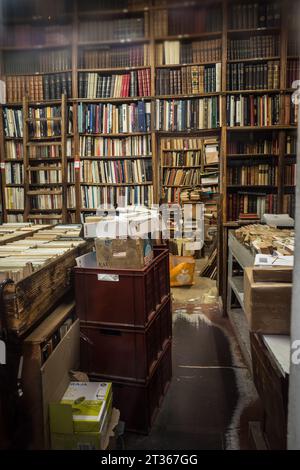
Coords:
221,58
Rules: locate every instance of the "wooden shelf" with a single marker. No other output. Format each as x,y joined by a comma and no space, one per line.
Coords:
36,47
14,185
112,158
251,155
198,95
147,183
183,166
252,186
189,64
188,132
253,92
254,30
128,99
253,59
15,210
190,36
258,128
112,12
127,134
45,216
181,150
113,69
118,42
36,73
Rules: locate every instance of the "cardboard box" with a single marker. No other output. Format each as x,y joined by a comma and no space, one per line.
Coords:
87,441
123,254
267,304
88,404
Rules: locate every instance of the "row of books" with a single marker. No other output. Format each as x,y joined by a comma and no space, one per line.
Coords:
254,15
290,115
46,202
39,127
171,195
41,123
290,175
187,21
14,150
289,203
27,62
250,110
121,28
182,177
131,84
109,118
258,146
291,144
108,147
255,174
115,56
14,198
177,52
14,173
182,143
33,34
261,76
45,176
179,115
251,203
193,79
293,72
254,47
94,197
38,87
180,158
118,171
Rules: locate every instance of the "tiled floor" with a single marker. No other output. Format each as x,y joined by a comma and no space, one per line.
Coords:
211,391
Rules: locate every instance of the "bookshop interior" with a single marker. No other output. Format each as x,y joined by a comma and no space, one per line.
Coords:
148,153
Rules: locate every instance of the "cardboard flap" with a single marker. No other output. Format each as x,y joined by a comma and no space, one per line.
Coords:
61,418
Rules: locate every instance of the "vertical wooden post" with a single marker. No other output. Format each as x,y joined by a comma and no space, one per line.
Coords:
26,159
64,161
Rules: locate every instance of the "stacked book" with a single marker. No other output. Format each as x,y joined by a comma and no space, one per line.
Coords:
30,62
115,56
254,47
182,115
255,174
177,52
131,84
260,76
121,28
109,118
118,171
38,87
93,196
192,79
250,110
255,15
115,147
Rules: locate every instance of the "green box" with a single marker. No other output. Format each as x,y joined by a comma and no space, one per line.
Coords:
65,438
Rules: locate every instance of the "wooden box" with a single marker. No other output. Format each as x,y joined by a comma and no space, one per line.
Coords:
29,300
272,387
45,381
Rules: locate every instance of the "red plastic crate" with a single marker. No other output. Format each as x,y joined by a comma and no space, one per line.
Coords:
132,299
125,352
139,402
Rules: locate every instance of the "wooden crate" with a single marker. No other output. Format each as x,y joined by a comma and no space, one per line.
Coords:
28,301
45,381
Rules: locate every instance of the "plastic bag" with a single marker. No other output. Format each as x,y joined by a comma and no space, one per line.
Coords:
182,269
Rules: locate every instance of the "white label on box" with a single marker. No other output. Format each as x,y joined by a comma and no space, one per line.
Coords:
193,246
108,277
77,164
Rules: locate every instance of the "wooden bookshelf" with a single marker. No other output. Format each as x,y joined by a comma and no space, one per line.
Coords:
152,39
